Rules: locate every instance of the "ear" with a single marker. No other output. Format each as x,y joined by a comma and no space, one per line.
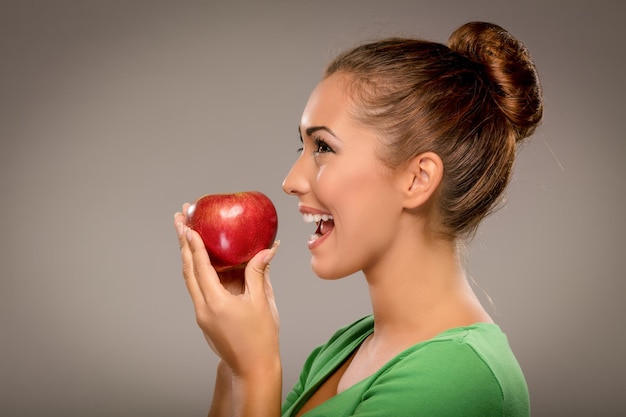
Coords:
420,178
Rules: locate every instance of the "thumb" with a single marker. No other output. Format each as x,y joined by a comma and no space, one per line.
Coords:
258,267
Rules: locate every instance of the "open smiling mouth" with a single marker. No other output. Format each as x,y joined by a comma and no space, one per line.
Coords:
325,224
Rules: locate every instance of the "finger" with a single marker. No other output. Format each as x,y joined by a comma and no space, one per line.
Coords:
180,220
187,259
185,211
269,294
179,225
267,285
258,268
205,275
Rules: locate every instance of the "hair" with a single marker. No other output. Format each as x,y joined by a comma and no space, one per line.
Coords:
470,102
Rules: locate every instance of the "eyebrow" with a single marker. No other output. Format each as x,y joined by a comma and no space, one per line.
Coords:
310,130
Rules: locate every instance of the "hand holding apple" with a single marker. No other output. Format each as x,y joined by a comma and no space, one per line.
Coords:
234,227
243,331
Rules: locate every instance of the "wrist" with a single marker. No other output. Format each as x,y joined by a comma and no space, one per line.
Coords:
222,403
258,393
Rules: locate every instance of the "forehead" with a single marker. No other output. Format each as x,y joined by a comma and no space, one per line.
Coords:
328,104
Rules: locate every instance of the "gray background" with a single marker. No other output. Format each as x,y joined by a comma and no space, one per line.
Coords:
114,113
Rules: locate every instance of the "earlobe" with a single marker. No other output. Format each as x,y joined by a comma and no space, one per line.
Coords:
423,175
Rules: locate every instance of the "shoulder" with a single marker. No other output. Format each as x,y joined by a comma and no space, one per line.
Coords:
470,368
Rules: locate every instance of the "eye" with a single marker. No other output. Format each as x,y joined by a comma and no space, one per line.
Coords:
321,146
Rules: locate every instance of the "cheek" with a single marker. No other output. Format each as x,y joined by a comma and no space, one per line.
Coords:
361,198
364,222
367,183
332,185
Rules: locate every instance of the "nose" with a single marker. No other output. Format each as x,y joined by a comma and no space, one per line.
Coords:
295,183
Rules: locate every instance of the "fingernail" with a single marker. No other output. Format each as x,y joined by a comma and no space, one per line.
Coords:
188,234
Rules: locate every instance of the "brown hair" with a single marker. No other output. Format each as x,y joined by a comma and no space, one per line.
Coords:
470,102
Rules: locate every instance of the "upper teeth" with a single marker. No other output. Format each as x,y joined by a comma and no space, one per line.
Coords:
310,218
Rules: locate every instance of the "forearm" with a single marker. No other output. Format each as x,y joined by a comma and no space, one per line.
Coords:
222,403
258,394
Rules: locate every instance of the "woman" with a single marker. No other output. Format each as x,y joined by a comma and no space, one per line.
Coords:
407,146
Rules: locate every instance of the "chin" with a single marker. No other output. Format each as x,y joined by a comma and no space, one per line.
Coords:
329,272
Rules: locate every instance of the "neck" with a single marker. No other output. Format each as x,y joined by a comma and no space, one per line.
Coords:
420,290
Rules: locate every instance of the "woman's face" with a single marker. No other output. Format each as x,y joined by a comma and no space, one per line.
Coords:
343,187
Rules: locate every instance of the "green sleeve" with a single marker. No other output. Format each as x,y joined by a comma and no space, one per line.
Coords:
466,372
442,379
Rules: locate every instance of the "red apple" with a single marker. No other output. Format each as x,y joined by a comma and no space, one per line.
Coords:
234,227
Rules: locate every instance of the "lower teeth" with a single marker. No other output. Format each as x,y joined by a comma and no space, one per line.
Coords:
314,237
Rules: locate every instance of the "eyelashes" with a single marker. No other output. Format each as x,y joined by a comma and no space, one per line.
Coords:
321,146
300,149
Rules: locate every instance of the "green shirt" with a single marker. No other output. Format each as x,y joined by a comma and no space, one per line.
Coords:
465,371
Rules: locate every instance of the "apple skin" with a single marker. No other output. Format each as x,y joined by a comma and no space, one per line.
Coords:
234,227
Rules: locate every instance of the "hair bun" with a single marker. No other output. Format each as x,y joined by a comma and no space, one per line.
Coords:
510,69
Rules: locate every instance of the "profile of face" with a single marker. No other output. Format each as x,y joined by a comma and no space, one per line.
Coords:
342,185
